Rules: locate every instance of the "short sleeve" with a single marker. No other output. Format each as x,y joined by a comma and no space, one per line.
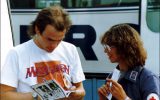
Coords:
9,71
149,84
77,74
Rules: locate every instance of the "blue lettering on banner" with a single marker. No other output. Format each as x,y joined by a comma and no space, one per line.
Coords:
85,43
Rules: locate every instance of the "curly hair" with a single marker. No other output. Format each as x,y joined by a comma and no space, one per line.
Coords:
54,15
128,44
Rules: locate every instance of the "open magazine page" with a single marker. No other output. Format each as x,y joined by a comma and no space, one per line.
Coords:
52,82
50,90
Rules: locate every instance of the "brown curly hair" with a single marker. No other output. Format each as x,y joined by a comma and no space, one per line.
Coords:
55,16
128,43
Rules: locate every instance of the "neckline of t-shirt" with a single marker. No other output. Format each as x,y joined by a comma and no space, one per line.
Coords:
42,50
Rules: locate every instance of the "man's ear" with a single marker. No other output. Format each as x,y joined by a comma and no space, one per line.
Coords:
37,30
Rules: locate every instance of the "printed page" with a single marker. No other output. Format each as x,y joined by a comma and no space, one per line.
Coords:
49,70
51,81
49,90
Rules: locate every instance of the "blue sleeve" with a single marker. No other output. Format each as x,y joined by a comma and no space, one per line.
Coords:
150,83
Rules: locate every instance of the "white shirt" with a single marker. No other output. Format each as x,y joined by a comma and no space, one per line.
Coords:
20,69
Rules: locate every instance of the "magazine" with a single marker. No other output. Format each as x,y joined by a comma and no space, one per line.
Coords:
50,90
52,83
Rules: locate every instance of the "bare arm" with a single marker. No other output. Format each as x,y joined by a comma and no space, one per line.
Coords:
9,93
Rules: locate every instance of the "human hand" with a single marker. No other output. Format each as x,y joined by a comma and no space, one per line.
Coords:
77,92
116,89
103,91
72,88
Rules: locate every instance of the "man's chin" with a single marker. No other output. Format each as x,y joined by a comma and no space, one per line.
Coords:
49,50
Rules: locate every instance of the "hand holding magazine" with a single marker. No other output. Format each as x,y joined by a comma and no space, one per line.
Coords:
53,85
50,90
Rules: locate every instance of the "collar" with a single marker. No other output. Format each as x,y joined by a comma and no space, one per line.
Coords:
133,74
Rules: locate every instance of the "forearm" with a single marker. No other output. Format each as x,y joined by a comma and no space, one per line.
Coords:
77,95
11,95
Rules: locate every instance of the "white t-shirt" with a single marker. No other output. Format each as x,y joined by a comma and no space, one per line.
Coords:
20,71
